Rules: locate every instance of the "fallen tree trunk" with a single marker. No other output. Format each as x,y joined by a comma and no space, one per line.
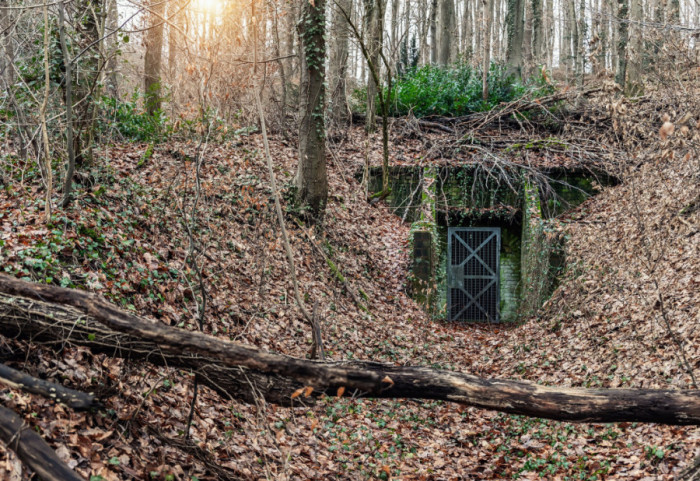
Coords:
59,325
32,450
378,380
56,392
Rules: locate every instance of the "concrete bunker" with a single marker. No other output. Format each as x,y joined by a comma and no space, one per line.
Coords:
483,244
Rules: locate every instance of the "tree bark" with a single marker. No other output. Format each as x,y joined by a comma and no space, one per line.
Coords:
56,392
467,32
486,60
537,32
340,31
374,26
633,84
176,14
68,90
516,33
112,66
312,180
32,450
372,379
433,32
581,30
57,325
622,32
446,32
153,58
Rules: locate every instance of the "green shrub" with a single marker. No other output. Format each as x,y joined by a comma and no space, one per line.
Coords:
457,90
131,122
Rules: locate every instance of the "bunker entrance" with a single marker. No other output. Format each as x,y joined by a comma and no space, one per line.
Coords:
473,273
454,210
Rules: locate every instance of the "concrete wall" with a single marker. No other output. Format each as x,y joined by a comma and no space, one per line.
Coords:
434,198
541,253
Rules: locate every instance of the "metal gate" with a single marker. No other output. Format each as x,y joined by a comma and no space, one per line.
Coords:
473,273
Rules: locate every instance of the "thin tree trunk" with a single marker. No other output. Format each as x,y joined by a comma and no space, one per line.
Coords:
112,64
497,29
48,172
375,18
537,32
340,111
424,28
467,32
488,8
280,63
68,89
433,32
516,37
622,32
634,85
674,12
445,32
311,179
153,57
581,30
528,61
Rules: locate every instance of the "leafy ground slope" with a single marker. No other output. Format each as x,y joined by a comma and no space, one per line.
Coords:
625,315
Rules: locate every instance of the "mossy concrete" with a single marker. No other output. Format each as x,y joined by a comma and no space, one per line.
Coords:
435,198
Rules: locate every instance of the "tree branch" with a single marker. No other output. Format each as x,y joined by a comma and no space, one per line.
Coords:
32,450
30,384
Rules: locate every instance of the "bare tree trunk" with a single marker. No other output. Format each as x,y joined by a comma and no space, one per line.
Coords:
394,45
488,8
467,32
311,178
374,11
516,36
152,61
528,60
634,85
622,32
340,111
497,27
68,89
581,28
550,30
446,32
602,29
423,29
288,51
478,37
433,32
112,66
47,170
8,51
569,35
674,12
537,32
614,35
280,62
176,17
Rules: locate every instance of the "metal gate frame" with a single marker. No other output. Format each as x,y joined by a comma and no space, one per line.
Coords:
455,278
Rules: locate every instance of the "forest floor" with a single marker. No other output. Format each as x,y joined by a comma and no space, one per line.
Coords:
625,315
